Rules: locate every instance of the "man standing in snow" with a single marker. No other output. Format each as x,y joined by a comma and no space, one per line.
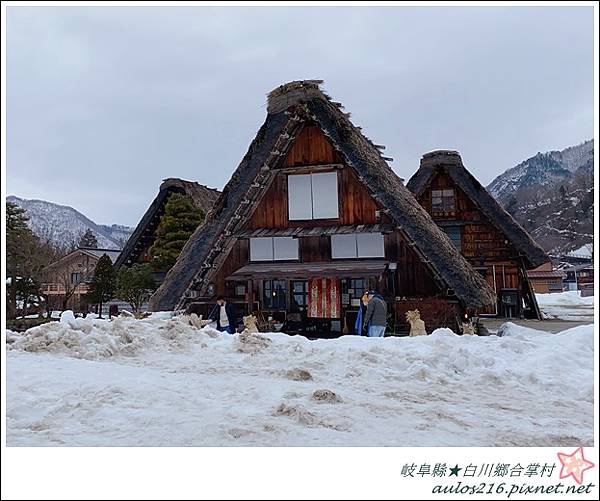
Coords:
224,314
376,315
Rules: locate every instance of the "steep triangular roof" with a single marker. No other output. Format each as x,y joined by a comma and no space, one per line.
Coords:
289,108
202,196
450,162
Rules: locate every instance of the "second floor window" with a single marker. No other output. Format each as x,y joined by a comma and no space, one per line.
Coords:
357,245
313,196
273,249
76,278
442,201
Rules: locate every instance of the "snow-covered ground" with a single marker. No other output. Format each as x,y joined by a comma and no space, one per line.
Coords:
162,382
567,305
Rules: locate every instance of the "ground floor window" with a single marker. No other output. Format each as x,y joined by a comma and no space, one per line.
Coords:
274,294
299,295
352,290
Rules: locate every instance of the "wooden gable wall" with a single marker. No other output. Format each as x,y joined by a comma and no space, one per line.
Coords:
480,239
311,148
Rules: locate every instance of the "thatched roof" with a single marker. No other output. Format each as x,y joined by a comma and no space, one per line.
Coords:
202,196
450,162
290,106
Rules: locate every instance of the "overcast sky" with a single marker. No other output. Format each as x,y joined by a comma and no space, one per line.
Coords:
103,103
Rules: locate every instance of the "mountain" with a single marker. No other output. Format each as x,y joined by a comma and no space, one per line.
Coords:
543,169
64,225
552,196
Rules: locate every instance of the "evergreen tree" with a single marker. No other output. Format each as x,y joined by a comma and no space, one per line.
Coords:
135,285
16,219
103,284
27,259
180,220
89,240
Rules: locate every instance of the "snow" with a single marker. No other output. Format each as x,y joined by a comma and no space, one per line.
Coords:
584,251
568,305
67,316
162,382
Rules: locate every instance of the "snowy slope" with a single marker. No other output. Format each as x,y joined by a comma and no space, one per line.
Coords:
160,382
64,225
543,169
552,196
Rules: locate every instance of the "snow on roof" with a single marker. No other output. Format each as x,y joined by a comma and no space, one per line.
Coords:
113,254
585,250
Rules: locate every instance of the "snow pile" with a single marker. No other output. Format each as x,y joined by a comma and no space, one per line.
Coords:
92,338
568,305
160,381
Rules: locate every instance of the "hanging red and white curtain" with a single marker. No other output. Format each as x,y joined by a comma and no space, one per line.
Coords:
324,298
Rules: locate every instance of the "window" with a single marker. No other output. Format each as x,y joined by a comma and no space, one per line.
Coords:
285,248
453,233
442,200
75,278
274,294
343,246
240,290
352,290
313,196
357,245
300,295
261,249
273,249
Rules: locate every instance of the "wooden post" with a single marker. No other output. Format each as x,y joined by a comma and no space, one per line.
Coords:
250,296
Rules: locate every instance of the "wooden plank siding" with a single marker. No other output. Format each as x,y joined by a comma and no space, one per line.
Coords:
480,240
356,206
486,247
311,147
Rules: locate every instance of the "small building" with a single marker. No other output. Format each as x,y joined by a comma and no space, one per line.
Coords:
312,217
496,245
580,277
68,278
544,279
136,249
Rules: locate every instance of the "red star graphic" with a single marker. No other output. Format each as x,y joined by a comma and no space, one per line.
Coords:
574,464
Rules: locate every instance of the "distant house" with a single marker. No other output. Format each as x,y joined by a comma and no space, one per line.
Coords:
545,279
137,247
68,278
492,241
580,277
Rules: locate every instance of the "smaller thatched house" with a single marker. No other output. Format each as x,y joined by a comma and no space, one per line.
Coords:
136,248
312,217
488,236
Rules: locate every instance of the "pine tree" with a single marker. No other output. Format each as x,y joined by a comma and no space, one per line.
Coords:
16,219
89,240
103,284
180,220
135,285
27,259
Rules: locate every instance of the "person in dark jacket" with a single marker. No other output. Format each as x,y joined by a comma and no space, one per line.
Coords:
376,315
224,314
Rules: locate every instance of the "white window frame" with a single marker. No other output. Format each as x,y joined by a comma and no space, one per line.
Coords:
273,249
352,241
298,212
